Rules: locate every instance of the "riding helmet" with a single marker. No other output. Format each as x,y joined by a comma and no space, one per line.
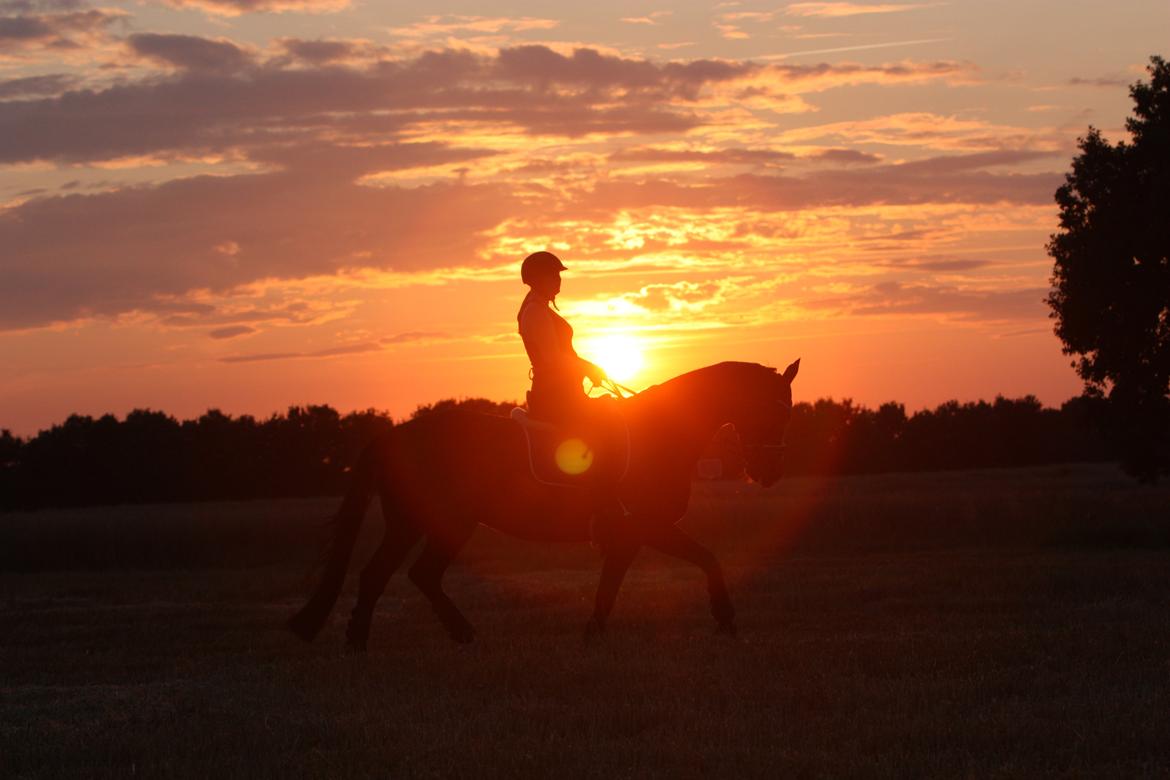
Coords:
539,263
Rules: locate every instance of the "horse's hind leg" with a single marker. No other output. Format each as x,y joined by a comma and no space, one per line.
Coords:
675,543
427,573
400,537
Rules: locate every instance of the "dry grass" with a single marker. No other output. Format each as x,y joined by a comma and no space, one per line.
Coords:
981,623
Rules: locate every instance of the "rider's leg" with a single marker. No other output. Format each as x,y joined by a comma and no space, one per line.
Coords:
608,434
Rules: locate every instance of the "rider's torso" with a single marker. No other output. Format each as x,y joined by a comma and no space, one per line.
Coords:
556,373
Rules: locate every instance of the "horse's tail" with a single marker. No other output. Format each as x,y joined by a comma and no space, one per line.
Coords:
309,621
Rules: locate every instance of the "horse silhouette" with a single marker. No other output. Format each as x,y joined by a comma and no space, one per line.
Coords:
441,475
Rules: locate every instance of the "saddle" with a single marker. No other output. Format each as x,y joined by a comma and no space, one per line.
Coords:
559,457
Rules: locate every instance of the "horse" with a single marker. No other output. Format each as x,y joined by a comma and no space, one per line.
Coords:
441,475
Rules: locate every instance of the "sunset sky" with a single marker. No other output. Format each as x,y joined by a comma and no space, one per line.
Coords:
247,204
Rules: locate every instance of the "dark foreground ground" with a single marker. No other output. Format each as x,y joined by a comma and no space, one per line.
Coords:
979,623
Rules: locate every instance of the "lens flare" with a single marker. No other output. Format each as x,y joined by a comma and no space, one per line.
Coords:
574,456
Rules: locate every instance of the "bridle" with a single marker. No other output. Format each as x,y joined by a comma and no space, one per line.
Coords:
763,448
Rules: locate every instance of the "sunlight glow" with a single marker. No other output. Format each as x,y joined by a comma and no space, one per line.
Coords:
619,354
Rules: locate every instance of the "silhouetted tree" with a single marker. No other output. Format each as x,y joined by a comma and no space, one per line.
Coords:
1111,279
481,405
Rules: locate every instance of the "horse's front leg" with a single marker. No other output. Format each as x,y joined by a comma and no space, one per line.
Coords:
677,544
427,573
617,562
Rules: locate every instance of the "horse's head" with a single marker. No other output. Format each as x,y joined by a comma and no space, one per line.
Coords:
762,406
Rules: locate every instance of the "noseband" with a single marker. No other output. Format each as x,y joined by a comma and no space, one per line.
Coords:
765,447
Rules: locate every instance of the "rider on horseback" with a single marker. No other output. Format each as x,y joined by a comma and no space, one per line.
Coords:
557,395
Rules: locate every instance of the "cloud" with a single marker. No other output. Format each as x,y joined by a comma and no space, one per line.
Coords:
239,7
541,66
938,265
231,331
739,156
851,9
651,18
925,130
43,29
190,52
950,179
822,76
444,25
205,109
898,298
765,157
1111,81
176,311
846,156
39,6
217,104
481,34
258,357
729,23
134,249
413,336
679,296
145,249
343,349
338,181
36,86
322,51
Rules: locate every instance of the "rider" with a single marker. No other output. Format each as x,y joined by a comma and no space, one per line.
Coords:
557,394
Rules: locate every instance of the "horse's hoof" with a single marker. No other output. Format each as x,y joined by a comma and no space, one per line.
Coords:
357,635
726,629
302,627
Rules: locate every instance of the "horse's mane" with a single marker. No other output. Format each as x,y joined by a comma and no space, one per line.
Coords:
716,375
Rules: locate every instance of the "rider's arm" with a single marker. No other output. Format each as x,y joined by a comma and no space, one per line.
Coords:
585,368
536,327
591,370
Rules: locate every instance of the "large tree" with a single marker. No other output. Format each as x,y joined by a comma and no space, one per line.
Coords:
1110,292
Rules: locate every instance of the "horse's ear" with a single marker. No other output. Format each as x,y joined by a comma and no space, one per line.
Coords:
790,372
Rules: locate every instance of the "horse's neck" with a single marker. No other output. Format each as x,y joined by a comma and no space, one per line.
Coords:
685,417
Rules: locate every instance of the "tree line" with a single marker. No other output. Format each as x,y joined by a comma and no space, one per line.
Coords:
149,456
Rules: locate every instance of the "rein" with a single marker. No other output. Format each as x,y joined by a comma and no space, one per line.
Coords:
613,388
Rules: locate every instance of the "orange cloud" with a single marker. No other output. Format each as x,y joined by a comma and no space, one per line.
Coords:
239,7
52,31
839,9
925,130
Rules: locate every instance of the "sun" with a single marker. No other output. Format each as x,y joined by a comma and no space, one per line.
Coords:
619,354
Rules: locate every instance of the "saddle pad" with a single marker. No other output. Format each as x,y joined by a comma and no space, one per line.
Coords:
557,458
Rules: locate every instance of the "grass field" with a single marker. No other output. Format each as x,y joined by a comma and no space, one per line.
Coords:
967,623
